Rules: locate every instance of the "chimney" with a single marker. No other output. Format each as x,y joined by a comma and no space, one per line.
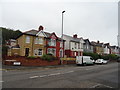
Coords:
75,36
98,41
40,28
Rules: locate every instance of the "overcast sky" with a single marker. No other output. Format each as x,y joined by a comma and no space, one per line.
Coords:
93,19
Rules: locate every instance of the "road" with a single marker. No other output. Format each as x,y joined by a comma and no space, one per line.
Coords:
71,76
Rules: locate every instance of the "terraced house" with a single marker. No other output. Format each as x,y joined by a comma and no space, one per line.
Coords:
37,43
87,46
73,45
98,47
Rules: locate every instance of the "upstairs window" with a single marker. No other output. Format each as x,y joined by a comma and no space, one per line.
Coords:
78,45
36,40
52,42
61,44
75,45
27,39
40,40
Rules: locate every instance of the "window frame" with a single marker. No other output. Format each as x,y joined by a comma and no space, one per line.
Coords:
27,39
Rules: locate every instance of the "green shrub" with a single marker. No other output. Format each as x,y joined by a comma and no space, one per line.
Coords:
48,57
31,57
96,56
93,55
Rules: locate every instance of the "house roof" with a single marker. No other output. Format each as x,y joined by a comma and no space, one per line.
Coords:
87,40
72,38
34,32
97,44
31,32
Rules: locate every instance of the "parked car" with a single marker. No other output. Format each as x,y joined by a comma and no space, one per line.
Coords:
101,61
84,60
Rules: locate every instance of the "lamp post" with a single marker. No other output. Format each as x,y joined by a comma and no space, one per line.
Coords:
62,36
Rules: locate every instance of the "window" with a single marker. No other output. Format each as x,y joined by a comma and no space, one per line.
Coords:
52,42
75,45
52,51
36,52
27,39
61,53
36,40
39,52
40,40
78,45
61,44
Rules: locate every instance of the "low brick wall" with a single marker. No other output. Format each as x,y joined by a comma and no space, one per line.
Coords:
69,61
30,62
34,62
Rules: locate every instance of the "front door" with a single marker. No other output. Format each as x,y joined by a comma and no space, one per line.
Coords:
26,52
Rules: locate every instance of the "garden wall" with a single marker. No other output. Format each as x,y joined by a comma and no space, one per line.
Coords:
9,60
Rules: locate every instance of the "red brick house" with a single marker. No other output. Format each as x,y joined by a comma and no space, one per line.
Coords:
54,45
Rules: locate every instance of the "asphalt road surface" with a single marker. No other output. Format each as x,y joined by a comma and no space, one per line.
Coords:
70,76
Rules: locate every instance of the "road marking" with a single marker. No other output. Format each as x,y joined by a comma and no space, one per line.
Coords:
108,86
43,75
54,74
99,85
69,72
1,81
95,85
34,76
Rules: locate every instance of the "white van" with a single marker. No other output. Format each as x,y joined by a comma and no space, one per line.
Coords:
84,60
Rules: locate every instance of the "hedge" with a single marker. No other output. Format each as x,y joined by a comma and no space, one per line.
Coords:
96,56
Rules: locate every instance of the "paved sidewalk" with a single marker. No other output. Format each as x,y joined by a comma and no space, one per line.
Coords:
6,67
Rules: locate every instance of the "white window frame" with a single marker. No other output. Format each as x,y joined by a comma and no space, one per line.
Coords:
40,52
36,52
60,52
49,50
27,39
36,40
40,40
52,42
61,44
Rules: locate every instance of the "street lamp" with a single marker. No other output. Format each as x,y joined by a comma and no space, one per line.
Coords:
62,36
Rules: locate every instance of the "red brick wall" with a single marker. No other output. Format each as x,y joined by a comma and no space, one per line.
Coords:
34,62
31,62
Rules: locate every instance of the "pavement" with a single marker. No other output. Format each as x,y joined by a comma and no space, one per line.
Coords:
7,67
66,76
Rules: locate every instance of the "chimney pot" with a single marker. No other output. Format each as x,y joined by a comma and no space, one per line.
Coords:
41,28
75,36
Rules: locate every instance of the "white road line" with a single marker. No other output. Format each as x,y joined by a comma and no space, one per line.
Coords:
54,74
1,81
34,76
99,85
69,72
43,75
95,85
108,86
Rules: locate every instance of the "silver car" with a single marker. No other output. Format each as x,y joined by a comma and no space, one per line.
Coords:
101,61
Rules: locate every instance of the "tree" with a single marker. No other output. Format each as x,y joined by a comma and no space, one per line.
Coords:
7,34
